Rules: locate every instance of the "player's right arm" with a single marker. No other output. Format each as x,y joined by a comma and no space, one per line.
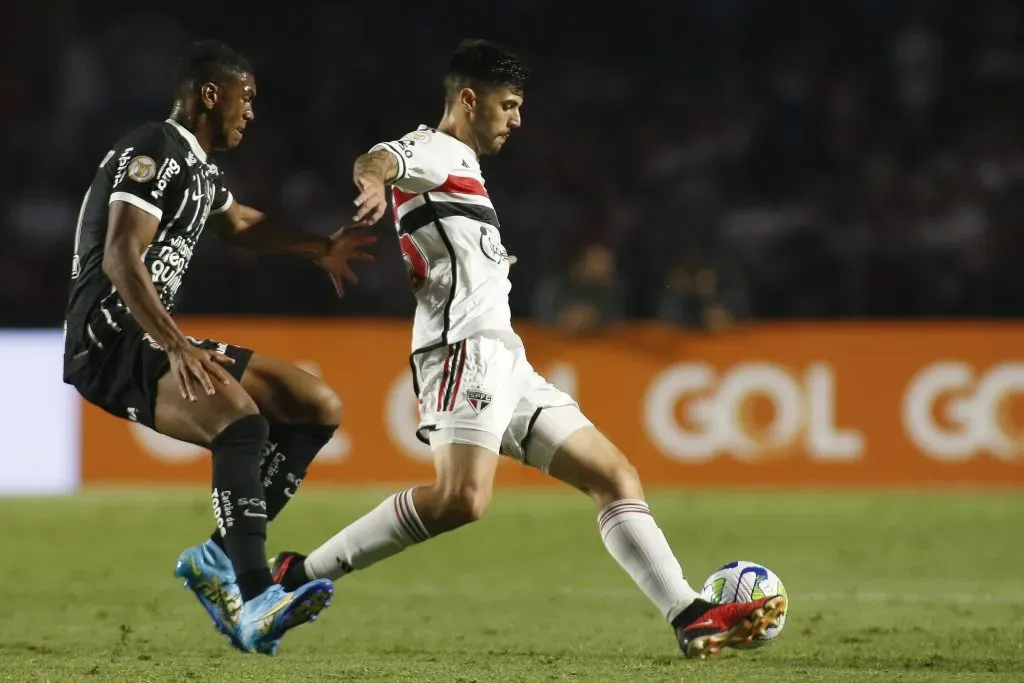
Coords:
411,163
130,231
371,173
136,206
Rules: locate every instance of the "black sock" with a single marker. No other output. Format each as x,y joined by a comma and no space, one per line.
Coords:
295,573
285,457
289,451
238,501
690,614
218,540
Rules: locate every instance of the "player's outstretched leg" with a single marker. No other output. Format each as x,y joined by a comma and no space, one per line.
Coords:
229,424
587,460
303,413
465,480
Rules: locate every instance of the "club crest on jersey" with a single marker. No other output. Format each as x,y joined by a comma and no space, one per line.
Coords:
478,400
142,169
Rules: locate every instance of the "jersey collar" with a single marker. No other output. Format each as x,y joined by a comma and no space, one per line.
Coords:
190,139
450,137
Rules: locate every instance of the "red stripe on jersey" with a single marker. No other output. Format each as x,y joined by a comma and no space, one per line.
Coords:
462,185
401,196
456,184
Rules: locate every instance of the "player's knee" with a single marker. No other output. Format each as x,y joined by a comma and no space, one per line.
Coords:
231,407
464,504
324,405
238,404
313,402
242,440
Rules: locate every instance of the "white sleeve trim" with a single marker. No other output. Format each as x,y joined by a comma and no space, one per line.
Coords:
227,205
402,169
136,201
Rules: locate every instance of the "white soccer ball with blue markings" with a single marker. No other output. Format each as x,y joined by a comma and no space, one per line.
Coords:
742,582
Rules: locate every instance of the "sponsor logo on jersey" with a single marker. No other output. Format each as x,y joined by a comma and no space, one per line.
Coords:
168,170
492,249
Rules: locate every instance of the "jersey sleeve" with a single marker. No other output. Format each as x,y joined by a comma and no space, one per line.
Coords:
222,198
147,172
421,166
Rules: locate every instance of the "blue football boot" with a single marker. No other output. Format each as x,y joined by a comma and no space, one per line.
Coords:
272,613
209,575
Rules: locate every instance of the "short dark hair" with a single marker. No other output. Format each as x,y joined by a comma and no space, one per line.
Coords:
209,61
480,64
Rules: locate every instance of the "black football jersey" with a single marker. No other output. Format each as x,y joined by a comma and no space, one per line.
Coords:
161,169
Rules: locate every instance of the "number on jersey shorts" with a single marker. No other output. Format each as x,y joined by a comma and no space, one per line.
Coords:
485,383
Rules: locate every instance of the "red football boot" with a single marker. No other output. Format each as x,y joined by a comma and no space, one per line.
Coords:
704,629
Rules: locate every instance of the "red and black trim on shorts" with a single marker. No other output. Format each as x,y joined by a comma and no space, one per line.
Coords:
448,389
451,377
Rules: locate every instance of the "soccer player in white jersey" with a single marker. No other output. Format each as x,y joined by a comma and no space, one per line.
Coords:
478,394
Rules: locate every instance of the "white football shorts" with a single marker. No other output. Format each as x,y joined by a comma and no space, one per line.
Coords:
483,391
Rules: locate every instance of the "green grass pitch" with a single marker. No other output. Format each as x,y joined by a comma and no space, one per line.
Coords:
883,586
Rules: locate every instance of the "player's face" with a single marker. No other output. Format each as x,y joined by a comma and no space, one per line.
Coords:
495,115
234,108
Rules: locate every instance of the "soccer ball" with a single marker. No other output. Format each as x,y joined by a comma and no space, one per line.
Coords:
742,582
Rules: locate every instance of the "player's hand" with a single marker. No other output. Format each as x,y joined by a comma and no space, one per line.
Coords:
343,246
512,260
198,370
372,201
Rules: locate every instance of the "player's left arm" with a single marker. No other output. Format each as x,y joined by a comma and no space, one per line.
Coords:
246,227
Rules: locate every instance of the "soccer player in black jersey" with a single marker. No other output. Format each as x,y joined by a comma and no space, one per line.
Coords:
264,420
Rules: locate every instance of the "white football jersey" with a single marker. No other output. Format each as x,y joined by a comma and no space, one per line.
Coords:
450,239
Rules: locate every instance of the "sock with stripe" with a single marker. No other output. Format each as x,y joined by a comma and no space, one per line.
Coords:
386,530
636,542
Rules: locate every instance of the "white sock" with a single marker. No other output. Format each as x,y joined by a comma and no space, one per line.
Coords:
636,542
387,530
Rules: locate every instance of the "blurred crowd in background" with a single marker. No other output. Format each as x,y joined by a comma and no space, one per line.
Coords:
703,162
